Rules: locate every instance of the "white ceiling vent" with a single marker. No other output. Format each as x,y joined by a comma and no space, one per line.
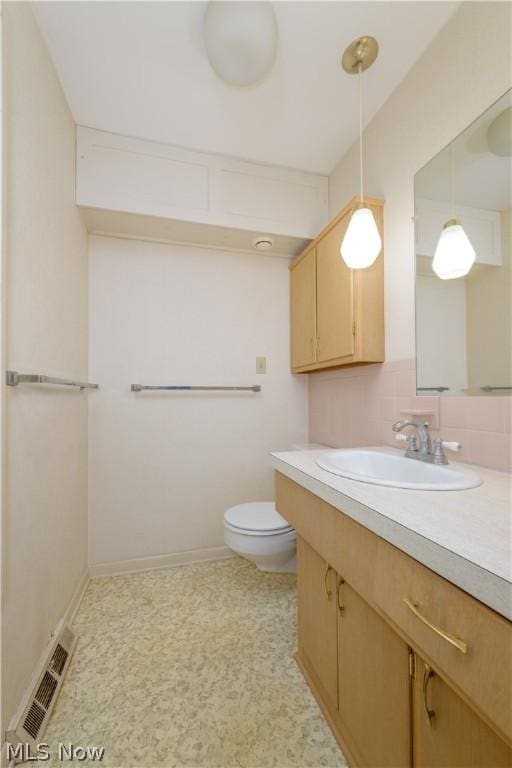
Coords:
29,725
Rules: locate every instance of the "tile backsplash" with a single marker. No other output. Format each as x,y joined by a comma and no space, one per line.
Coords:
352,407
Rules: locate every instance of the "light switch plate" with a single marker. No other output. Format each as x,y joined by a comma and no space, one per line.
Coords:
261,365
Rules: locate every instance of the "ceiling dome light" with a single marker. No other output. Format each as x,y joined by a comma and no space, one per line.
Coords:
241,39
454,254
362,242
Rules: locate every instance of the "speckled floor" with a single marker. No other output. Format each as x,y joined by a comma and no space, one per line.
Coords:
191,666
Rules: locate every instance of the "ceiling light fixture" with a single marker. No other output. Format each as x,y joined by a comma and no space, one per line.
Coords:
454,255
263,243
241,39
362,242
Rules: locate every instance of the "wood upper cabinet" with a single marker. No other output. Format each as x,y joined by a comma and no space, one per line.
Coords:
337,314
303,311
374,689
335,297
446,732
316,616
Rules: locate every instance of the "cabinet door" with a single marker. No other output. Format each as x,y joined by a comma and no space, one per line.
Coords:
452,735
374,687
335,297
316,613
303,310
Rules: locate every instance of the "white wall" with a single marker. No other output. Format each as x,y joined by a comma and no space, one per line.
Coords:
441,333
163,467
463,71
44,547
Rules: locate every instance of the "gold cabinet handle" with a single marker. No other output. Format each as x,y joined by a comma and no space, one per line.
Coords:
339,596
427,677
328,592
455,641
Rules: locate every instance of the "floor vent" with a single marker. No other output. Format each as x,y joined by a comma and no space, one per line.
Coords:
46,690
29,727
34,720
58,660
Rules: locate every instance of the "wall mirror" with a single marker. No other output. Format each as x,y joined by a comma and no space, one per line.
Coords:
463,233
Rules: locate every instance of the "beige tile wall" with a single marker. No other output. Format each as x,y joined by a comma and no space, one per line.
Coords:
353,407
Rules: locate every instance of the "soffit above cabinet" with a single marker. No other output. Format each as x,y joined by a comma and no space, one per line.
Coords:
141,188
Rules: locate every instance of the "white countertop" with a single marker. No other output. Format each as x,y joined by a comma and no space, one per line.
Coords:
464,536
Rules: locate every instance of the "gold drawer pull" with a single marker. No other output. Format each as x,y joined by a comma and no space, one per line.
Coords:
455,641
328,592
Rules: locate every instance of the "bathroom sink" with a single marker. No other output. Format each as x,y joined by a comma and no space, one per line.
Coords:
381,468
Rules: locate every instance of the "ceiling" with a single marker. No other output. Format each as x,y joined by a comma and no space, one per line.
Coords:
140,68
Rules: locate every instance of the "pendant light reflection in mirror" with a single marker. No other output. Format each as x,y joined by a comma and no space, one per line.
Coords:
362,242
454,255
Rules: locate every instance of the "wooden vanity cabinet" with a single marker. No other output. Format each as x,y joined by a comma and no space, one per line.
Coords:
316,619
337,314
446,732
374,685
357,666
375,667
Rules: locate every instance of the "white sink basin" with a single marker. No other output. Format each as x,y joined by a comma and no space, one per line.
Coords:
381,468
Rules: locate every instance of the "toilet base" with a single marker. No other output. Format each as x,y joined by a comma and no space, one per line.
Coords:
290,566
272,554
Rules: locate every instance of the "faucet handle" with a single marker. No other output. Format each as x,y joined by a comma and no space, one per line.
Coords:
439,444
451,445
409,439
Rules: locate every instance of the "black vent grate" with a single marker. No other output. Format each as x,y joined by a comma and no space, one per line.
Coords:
44,693
34,720
58,660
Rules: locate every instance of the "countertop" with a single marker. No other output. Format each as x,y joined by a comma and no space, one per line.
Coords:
464,536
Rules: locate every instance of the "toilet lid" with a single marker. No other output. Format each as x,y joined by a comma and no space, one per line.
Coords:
256,516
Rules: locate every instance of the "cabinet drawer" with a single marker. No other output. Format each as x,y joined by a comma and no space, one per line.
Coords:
482,674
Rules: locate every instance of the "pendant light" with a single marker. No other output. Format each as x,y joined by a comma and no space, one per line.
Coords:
362,242
454,255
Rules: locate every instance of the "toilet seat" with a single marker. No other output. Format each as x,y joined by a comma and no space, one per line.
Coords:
256,518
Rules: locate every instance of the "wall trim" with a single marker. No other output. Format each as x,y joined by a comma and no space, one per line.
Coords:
156,562
76,598
68,618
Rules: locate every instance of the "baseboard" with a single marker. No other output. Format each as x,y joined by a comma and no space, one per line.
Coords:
76,598
156,562
67,618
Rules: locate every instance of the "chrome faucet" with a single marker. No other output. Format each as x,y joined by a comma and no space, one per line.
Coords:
424,452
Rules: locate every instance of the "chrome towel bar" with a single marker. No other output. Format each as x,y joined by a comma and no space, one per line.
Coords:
187,387
13,378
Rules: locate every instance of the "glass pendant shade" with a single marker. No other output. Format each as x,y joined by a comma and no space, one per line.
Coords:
362,242
454,254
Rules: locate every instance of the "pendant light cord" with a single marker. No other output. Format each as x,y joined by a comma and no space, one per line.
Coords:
452,202
361,129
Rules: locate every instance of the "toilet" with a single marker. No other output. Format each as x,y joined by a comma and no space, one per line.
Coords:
257,532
